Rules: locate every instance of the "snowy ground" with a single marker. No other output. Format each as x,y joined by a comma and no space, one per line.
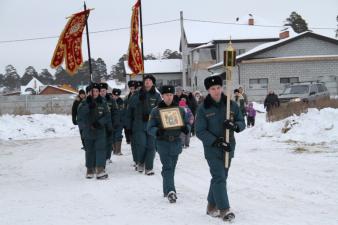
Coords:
274,179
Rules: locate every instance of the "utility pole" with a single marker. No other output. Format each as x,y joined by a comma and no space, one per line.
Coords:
184,78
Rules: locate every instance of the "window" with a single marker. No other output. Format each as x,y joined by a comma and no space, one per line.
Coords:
175,82
213,53
260,83
240,51
321,88
289,80
313,89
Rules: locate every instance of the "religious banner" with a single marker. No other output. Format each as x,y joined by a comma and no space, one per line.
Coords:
69,46
135,61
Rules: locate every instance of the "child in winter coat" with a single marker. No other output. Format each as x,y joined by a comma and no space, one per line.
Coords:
251,113
186,137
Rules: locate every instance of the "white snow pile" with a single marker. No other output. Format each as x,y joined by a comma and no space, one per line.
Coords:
36,126
314,127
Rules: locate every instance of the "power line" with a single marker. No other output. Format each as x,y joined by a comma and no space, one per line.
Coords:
157,23
92,32
242,24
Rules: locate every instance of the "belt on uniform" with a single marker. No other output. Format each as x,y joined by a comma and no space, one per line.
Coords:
170,138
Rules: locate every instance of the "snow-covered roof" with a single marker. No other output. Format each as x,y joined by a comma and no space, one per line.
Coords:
34,84
60,88
113,84
203,32
207,45
267,46
159,66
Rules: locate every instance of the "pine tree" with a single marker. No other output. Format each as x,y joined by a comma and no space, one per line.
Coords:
30,72
297,23
2,80
169,54
337,29
12,79
45,77
61,76
118,71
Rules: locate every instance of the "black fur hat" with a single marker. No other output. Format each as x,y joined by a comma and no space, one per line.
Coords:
116,91
104,86
88,88
139,83
167,89
96,85
151,77
211,81
132,83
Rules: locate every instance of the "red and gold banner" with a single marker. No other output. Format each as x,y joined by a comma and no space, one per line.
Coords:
135,61
70,43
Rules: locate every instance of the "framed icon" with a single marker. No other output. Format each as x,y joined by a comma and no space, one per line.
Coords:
171,118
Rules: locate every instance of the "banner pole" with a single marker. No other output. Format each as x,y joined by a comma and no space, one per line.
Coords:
88,46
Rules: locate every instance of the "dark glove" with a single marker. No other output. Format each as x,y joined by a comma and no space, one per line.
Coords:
109,130
160,132
220,143
92,105
129,131
96,125
145,117
75,122
185,130
228,124
142,96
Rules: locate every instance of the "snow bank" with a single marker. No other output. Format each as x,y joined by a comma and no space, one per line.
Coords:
314,127
36,126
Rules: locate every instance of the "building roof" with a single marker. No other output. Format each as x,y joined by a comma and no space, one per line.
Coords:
159,66
66,90
271,45
236,30
34,84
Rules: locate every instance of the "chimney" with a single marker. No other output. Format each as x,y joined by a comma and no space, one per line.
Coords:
251,21
284,34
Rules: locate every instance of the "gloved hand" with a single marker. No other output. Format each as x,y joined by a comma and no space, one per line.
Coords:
160,132
96,125
185,130
75,122
145,117
220,143
228,124
92,105
129,131
142,96
109,131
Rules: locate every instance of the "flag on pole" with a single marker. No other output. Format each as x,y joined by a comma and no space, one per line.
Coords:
69,45
135,61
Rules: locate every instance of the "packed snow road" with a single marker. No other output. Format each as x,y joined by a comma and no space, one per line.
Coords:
271,182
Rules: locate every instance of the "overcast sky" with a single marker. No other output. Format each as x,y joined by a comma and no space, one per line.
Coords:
21,19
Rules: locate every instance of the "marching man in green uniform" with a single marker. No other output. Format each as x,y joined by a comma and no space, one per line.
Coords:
211,124
118,127
139,108
95,121
132,85
168,141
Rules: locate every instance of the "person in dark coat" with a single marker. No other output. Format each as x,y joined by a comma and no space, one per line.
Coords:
271,101
168,142
179,94
118,127
114,118
76,103
132,84
239,99
94,119
139,108
211,124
